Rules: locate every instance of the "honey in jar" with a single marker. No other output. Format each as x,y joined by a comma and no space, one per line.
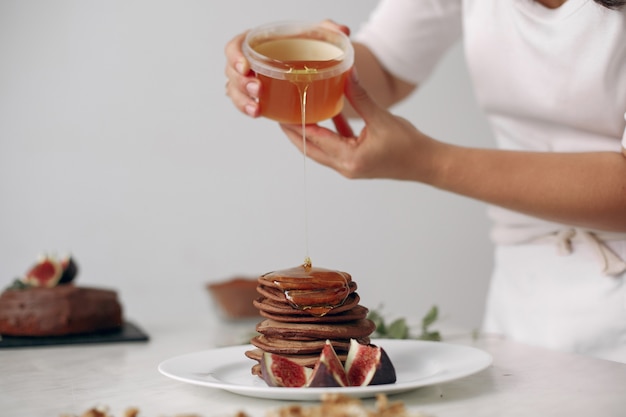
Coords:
302,69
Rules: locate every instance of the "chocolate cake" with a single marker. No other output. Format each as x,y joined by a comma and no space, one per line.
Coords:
57,311
46,302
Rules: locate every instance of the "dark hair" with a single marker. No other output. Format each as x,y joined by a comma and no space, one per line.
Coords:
611,4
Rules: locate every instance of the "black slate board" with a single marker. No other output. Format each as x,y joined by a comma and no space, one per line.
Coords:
128,333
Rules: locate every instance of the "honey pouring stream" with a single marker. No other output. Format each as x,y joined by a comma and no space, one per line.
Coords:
302,89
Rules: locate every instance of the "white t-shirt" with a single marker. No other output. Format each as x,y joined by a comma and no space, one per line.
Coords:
546,79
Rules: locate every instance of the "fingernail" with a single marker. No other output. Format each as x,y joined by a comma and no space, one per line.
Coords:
240,68
250,109
253,89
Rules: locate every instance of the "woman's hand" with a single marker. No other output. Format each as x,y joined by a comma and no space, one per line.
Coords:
585,189
241,85
388,146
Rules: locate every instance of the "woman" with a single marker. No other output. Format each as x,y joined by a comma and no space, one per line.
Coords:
551,79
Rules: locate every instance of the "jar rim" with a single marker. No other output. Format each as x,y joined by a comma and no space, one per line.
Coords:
262,64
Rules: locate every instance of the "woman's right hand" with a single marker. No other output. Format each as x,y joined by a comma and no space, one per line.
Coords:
388,146
241,85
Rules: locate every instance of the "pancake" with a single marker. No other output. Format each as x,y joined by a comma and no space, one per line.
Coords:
295,347
303,278
274,307
315,296
303,307
256,370
355,313
349,330
317,290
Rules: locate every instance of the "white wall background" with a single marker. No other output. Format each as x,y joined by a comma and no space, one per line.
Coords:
118,144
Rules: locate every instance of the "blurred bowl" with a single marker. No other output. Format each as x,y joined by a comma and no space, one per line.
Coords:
234,297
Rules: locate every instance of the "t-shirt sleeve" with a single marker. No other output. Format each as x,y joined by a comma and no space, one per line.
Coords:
409,37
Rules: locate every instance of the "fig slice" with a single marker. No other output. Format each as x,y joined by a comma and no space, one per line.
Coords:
328,370
279,371
70,270
368,365
45,273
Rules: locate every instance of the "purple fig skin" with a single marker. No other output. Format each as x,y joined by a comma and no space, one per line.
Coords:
369,365
328,371
323,376
278,371
70,270
385,371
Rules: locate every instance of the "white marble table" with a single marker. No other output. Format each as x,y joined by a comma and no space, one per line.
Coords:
522,381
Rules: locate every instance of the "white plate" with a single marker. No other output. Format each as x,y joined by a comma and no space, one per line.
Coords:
417,364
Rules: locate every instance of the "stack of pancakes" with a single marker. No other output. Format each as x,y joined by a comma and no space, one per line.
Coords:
303,307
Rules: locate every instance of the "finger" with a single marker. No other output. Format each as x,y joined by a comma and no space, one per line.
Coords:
243,103
360,100
332,25
238,89
234,55
294,134
238,71
342,126
306,146
241,86
325,147
248,84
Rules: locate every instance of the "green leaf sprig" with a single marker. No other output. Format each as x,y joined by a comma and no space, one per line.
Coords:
398,328
18,284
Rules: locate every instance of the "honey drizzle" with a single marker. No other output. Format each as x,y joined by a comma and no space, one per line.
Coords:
302,89
316,290
294,297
